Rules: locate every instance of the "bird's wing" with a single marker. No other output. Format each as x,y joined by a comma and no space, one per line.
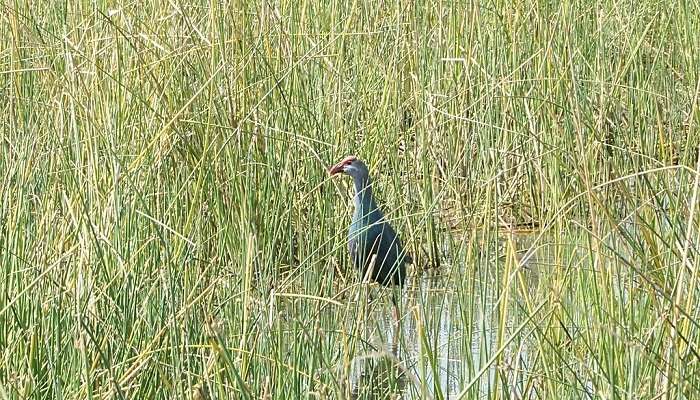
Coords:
391,244
363,246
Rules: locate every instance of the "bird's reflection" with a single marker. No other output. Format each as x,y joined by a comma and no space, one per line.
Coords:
377,376
377,371
394,359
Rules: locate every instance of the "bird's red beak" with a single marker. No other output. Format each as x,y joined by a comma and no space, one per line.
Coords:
337,168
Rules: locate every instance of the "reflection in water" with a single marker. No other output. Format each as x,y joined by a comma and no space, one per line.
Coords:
377,376
432,340
428,350
436,353
457,329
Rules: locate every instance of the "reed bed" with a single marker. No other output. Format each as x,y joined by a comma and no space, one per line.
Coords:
168,229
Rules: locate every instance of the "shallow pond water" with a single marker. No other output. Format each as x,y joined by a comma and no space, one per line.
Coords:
444,339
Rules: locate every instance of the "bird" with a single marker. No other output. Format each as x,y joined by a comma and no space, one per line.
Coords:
375,247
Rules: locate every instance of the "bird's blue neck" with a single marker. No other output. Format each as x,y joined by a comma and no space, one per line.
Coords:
364,201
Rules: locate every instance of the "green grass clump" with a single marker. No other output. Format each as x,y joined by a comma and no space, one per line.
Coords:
168,229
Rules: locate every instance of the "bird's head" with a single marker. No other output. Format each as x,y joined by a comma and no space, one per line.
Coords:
350,165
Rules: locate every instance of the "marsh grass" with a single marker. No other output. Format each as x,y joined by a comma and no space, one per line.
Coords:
167,228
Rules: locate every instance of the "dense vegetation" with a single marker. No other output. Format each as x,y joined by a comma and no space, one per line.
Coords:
168,230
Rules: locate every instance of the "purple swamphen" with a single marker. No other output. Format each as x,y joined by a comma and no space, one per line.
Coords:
374,246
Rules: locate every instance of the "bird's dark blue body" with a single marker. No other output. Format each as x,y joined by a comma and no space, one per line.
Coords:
373,243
